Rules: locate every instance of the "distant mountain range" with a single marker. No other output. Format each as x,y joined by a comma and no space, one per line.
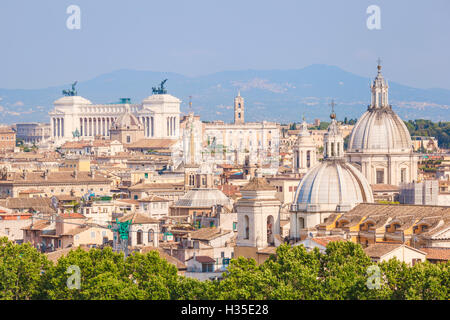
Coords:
273,95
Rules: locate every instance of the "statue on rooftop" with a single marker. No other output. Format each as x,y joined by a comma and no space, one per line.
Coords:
160,89
71,93
76,133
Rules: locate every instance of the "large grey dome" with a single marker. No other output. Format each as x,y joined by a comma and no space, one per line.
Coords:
333,185
380,130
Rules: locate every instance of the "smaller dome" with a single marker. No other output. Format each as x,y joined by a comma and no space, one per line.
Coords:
203,198
127,120
333,185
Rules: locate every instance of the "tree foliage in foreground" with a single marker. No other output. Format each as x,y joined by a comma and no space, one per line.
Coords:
294,273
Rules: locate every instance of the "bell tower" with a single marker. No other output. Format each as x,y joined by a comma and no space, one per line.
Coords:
239,109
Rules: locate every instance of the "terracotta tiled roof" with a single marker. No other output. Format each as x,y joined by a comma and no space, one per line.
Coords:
6,130
229,190
177,263
66,197
393,210
137,218
146,186
384,187
207,234
55,255
323,241
76,144
30,191
74,215
205,259
54,177
128,201
152,144
442,254
38,225
38,204
153,198
380,249
76,230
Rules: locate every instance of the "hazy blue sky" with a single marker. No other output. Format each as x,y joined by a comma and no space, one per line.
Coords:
194,37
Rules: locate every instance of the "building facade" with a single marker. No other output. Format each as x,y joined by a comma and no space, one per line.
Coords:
74,115
333,186
33,132
7,139
380,144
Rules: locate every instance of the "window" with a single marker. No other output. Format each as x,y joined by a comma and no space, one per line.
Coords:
139,236
380,176
403,175
93,235
247,227
128,139
150,235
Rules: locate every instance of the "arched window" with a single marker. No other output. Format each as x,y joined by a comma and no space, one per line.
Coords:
247,227
139,237
151,234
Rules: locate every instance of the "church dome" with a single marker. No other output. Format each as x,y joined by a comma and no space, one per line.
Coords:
380,129
127,120
332,185
204,198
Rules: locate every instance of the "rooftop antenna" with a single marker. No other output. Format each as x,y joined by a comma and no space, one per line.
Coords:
332,104
379,65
